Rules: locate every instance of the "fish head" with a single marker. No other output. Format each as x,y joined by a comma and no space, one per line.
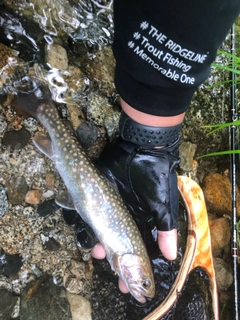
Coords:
136,272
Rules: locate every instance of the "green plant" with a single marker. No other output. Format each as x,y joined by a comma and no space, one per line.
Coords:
215,128
233,63
232,66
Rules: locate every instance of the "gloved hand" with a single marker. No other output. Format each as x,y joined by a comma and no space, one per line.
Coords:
145,177
146,180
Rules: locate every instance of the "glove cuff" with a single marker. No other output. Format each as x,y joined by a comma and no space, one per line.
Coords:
147,136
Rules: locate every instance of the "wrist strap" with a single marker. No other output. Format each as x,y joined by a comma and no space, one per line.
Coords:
147,136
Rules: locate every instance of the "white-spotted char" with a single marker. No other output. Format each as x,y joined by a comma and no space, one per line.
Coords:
98,203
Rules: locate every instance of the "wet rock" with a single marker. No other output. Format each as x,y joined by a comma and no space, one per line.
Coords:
16,189
98,108
31,124
101,67
16,139
85,236
56,56
217,192
186,151
12,264
33,196
80,307
42,300
75,280
111,123
47,207
48,20
7,304
3,124
71,216
48,194
5,282
8,63
76,116
224,275
3,201
50,180
52,245
16,124
220,234
20,34
87,134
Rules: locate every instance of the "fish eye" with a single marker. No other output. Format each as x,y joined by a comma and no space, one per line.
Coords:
146,283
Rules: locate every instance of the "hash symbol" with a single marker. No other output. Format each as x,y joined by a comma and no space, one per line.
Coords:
144,25
131,44
136,35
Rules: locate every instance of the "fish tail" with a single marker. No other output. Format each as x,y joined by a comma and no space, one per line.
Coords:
31,97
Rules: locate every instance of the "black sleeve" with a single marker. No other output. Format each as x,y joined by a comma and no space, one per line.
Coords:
164,49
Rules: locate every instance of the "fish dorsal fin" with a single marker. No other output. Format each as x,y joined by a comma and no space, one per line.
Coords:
44,144
64,200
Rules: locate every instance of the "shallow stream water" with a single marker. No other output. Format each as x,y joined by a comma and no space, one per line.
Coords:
83,29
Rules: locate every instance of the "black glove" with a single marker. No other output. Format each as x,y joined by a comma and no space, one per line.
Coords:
145,176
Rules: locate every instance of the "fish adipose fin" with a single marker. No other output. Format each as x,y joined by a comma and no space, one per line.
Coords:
65,200
44,144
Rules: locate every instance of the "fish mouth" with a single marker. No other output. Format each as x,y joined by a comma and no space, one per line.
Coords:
140,293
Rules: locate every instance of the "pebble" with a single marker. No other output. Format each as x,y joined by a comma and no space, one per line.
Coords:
7,304
33,196
3,125
47,207
48,194
224,274
220,234
217,192
186,152
31,124
52,245
80,307
87,134
71,217
111,122
56,56
16,124
85,236
16,189
42,299
12,264
16,139
3,201
49,180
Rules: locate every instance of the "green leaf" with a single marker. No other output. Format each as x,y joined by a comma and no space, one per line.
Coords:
220,153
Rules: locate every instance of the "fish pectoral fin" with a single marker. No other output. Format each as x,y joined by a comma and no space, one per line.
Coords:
64,200
115,264
44,144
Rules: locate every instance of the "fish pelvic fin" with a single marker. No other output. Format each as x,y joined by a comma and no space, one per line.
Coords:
64,200
44,144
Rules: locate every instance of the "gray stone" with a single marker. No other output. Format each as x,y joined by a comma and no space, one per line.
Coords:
187,151
16,189
224,274
80,307
3,201
7,304
56,56
43,300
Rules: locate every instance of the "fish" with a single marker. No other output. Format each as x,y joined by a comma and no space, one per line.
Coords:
90,193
